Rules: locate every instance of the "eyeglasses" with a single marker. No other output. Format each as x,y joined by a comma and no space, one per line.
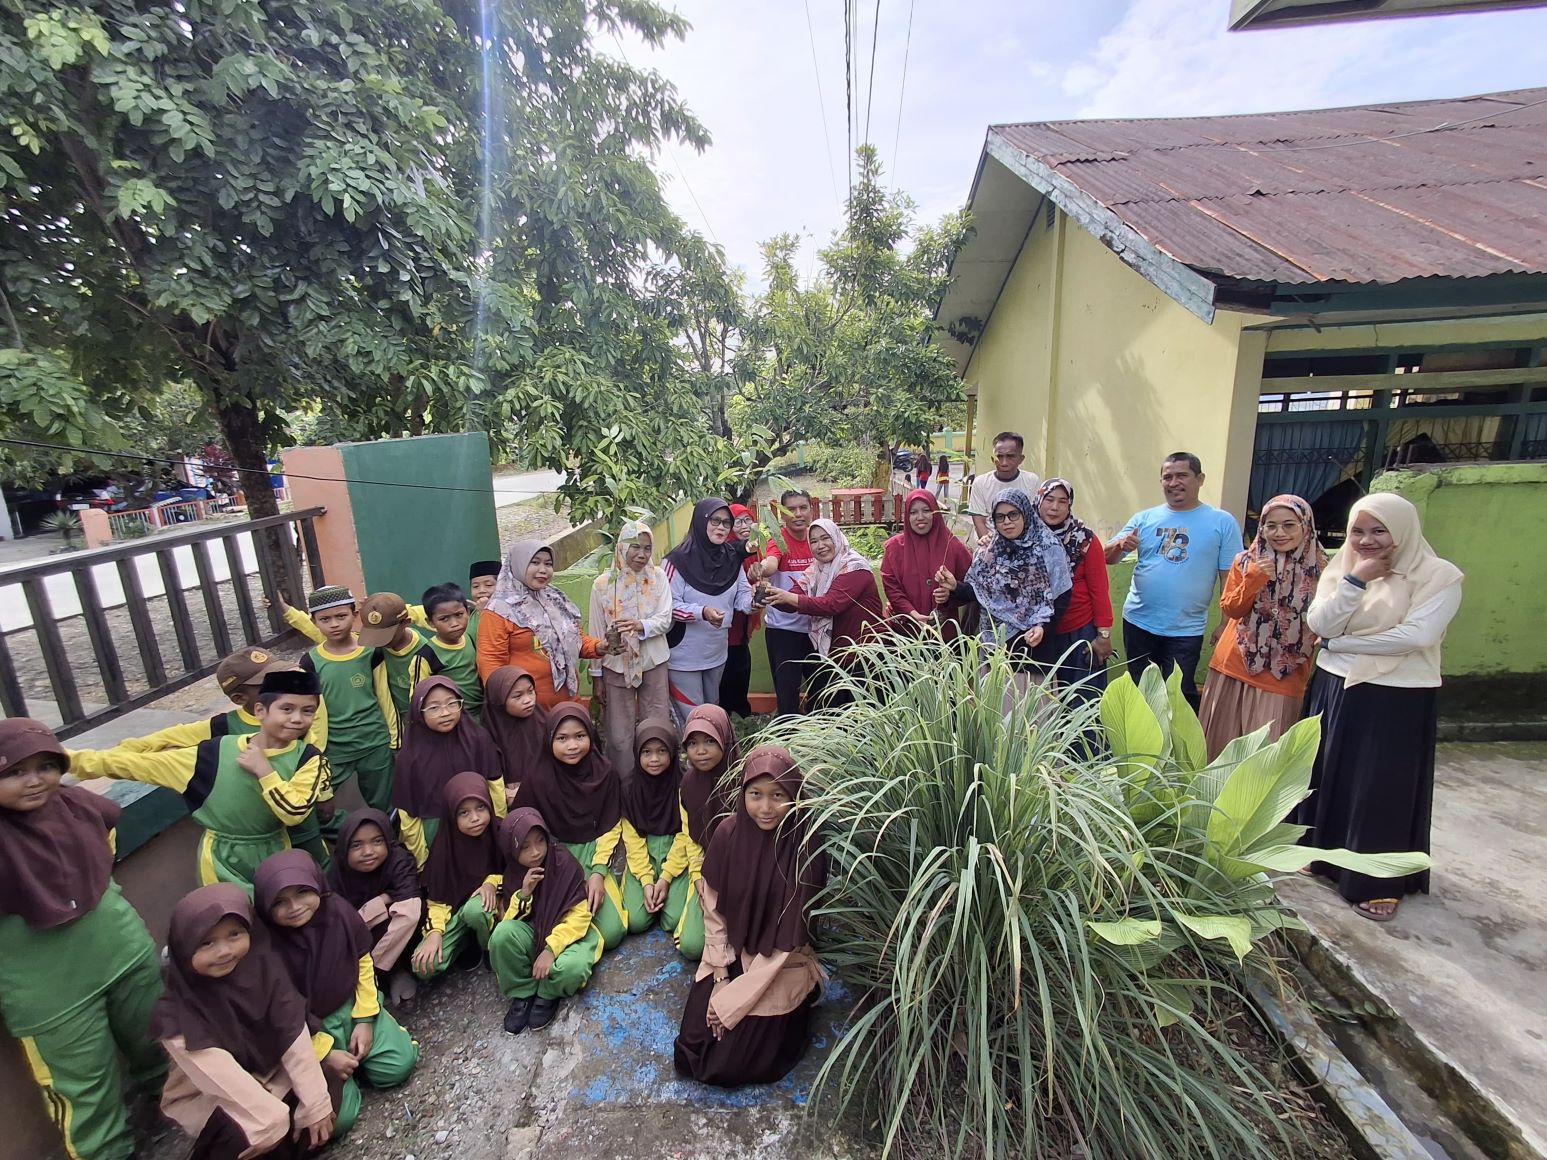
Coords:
444,707
1007,517
720,522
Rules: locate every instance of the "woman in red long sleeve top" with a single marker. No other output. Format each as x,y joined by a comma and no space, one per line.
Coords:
911,559
1087,621
841,598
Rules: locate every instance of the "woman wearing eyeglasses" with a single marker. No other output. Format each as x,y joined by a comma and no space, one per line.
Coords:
708,587
1021,580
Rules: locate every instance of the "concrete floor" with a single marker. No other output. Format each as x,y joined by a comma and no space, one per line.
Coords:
1465,967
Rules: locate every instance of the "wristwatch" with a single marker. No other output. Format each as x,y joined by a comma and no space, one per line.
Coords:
1104,633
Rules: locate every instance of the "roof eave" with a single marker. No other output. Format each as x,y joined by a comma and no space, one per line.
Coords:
1190,289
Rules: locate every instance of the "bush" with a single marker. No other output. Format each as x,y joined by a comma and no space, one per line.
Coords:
1046,938
845,466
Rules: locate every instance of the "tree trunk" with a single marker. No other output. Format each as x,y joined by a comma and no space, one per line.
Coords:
244,436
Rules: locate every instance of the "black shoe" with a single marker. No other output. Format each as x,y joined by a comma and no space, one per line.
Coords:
543,1011
518,1015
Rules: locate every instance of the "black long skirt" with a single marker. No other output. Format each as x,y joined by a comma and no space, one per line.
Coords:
759,1049
1372,787
736,680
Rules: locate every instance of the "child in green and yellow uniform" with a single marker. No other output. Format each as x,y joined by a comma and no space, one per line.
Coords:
386,623
709,747
657,882
451,652
362,719
78,970
326,947
247,791
240,676
480,586
576,790
544,949
461,877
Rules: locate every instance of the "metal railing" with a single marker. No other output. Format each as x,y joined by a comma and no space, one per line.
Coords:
148,583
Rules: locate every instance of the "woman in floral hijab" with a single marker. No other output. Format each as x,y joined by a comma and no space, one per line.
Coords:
631,601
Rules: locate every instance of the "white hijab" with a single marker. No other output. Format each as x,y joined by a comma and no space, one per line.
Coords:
820,577
1418,574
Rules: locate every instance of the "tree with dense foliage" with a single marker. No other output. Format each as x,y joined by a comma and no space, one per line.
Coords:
846,356
410,215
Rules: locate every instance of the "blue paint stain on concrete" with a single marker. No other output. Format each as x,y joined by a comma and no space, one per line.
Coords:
628,1022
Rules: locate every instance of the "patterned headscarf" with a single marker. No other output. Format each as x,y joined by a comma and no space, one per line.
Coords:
820,577
631,595
1272,636
547,613
1073,534
1016,581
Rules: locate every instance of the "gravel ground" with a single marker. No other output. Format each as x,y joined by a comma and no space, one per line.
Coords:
531,519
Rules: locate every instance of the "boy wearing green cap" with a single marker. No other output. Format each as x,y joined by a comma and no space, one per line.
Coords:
362,719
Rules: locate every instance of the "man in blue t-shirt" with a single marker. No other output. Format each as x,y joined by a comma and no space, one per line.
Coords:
1184,547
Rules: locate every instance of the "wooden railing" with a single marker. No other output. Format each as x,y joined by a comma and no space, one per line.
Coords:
59,614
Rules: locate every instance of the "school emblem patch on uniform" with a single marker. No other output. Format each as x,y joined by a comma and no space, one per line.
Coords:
357,681
374,618
258,657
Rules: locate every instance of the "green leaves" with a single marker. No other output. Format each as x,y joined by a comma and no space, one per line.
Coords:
66,37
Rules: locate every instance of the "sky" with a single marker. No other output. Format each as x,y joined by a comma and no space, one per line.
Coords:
770,88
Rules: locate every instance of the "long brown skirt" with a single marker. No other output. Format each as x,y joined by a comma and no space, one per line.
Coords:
1231,708
759,1049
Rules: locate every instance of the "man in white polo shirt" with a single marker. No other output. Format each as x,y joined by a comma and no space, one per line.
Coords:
1009,454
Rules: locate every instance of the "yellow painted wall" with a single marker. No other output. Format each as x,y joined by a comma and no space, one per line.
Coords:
1104,374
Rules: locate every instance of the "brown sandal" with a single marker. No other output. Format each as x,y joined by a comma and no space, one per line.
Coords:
1364,911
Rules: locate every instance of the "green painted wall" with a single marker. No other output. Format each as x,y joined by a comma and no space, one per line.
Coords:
412,536
1490,520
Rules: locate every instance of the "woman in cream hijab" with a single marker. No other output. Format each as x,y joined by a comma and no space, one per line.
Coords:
1381,609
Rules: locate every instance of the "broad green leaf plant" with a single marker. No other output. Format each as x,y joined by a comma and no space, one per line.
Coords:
1049,909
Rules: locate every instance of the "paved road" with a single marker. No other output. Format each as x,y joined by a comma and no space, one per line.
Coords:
14,614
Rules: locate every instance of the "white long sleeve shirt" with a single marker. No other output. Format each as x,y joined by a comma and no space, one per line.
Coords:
1416,640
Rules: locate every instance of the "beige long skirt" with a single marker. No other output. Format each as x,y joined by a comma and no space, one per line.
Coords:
1231,708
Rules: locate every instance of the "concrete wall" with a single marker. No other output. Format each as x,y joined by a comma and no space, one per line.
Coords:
1491,521
1104,374
423,510
315,477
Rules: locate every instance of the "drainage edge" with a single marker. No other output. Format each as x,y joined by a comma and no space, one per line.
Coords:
1474,1111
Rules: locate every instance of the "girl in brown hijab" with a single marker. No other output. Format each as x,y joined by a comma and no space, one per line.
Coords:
376,875
326,947
747,1018
461,879
656,884
577,791
515,720
709,750
71,947
543,950
234,1027
441,741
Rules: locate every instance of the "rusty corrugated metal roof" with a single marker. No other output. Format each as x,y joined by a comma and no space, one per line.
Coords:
1372,194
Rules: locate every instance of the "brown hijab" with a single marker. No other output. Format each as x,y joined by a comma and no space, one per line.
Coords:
397,877
704,795
519,739
428,760
766,879
255,1012
563,884
323,957
651,802
457,864
55,862
580,802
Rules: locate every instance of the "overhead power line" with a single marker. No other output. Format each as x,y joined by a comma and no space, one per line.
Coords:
870,91
901,90
821,101
848,89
